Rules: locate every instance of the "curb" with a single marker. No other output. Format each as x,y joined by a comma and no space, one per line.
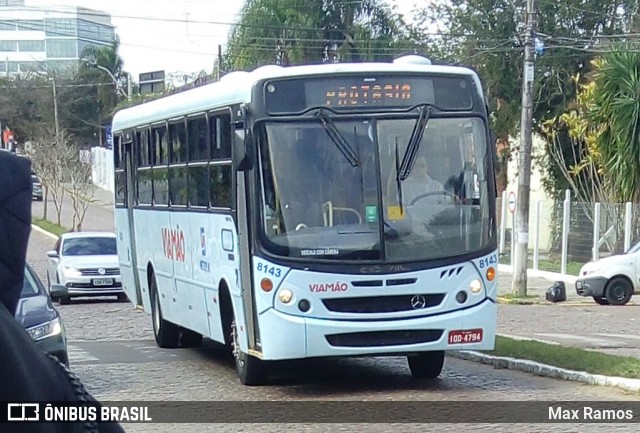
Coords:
43,231
545,370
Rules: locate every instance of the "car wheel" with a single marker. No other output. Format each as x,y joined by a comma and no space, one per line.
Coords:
167,334
426,365
618,291
600,300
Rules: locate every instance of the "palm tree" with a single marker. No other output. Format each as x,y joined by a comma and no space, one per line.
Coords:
615,110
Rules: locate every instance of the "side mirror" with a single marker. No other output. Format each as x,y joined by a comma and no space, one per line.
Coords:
58,291
241,153
52,254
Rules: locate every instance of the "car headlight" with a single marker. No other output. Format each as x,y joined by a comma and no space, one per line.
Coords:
70,271
45,330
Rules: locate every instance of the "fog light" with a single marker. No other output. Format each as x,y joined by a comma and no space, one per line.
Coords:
285,296
475,286
304,305
461,297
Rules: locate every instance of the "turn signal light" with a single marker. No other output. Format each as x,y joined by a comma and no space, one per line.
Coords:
266,285
491,274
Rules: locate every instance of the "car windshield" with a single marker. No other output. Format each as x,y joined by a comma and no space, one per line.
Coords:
89,246
319,202
634,249
29,285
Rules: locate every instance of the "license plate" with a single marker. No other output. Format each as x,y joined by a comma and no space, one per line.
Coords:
103,282
460,336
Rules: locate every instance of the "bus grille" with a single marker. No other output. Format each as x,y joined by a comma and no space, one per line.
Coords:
384,338
382,304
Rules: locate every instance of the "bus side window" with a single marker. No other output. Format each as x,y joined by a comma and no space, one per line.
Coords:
220,130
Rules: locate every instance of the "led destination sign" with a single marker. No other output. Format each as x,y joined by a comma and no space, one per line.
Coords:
295,95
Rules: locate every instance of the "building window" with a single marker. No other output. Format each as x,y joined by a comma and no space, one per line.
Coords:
8,46
62,48
61,27
30,25
30,46
7,25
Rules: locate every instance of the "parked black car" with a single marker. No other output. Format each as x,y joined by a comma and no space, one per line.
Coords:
40,318
37,187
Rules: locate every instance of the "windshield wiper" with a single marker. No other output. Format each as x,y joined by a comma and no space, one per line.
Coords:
414,142
335,135
398,181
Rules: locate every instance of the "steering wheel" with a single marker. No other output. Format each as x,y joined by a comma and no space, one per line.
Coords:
301,226
429,194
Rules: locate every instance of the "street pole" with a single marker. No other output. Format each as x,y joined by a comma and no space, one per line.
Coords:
219,61
521,257
55,109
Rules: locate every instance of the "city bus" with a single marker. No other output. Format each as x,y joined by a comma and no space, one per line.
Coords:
313,211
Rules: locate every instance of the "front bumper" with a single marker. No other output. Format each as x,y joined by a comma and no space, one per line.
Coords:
593,286
55,345
86,286
285,336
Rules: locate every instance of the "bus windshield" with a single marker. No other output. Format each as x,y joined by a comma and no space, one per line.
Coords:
318,205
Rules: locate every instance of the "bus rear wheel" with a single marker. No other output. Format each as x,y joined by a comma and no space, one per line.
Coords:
251,370
167,334
426,365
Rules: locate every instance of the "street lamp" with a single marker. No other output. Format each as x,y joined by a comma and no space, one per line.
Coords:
115,81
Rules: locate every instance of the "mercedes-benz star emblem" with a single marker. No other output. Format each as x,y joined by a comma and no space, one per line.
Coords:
418,302
101,271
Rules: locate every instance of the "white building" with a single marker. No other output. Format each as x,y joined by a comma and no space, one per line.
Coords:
52,37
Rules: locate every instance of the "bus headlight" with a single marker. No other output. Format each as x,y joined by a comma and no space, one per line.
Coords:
285,296
475,286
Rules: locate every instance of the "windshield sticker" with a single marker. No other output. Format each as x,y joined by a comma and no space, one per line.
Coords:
395,213
320,252
329,287
372,214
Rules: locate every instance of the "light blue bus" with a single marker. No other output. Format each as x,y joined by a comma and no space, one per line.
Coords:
313,211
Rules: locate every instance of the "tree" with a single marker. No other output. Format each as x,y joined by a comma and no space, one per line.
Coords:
488,36
286,32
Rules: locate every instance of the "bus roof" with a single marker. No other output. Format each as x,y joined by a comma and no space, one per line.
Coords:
236,87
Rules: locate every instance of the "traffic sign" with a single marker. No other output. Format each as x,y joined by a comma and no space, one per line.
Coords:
512,202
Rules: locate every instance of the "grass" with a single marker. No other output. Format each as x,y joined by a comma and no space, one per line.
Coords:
49,226
508,298
570,358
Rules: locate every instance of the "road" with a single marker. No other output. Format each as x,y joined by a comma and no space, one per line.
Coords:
111,347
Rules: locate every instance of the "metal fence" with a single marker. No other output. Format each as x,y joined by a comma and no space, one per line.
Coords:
564,235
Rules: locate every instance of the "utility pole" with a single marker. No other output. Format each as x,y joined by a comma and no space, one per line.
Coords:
55,109
521,253
219,61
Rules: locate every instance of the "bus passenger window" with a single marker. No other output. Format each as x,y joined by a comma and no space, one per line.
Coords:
220,177
145,186
199,185
178,185
178,147
220,130
161,186
197,138
159,142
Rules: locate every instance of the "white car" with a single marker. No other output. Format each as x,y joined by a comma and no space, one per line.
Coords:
87,264
611,280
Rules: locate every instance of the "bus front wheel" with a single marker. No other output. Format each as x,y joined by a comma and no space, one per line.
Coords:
251,370
426,365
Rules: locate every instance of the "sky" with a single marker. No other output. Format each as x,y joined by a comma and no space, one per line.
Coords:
177,36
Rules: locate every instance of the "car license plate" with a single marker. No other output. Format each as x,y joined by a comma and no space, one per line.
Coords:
460,336
103,281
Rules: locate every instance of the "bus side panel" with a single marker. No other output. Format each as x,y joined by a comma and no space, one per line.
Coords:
123,243
214,260
157,241
143,233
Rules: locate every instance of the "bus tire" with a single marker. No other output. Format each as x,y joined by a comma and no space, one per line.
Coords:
167,334
251,370
189,338
426,365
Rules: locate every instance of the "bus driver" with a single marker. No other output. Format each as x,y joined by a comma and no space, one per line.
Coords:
420,183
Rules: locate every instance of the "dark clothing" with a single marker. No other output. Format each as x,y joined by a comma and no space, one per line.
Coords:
27,373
